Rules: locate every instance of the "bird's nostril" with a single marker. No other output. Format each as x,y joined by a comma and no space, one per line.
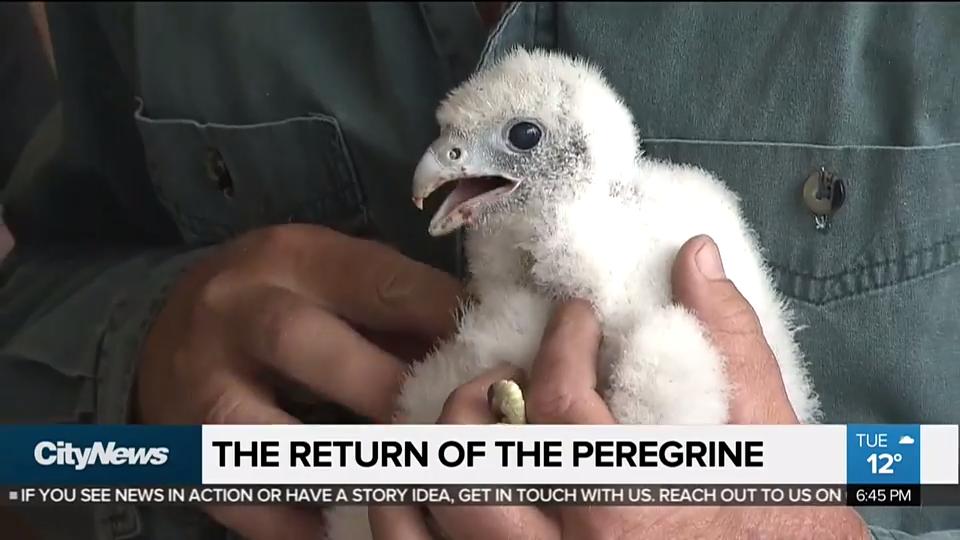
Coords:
454,154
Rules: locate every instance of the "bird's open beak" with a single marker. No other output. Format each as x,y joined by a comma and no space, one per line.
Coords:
476,187
426,178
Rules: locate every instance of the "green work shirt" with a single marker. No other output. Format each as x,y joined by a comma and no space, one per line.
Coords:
187,124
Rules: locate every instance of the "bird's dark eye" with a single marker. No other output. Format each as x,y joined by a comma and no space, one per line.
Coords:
524,135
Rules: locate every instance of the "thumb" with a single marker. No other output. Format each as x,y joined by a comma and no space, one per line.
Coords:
701,285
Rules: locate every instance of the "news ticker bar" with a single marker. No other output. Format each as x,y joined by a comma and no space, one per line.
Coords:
496,495
405,455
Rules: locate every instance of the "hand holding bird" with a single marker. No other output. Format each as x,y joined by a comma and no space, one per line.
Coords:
563,388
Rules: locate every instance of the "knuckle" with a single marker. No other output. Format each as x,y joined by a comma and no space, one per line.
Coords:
393,271
282,327
551,404
212,294
277,236
224,409
736,317
277,241
454,407
392,285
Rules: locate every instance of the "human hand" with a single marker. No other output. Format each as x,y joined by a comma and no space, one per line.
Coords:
562,389
283,305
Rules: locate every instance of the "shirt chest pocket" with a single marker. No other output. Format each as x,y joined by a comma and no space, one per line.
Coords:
220,180
898,219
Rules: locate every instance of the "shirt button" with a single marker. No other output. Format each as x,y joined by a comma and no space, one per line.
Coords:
218,173
823,193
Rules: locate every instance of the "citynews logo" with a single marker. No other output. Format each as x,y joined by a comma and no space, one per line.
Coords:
48,453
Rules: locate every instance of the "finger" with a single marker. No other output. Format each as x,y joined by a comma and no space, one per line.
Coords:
405,347
563,381
397,523
468,404
701,285
485,522
241,402
315,348
16,524
376,286
269,522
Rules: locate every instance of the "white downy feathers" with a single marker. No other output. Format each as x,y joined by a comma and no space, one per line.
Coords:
580,213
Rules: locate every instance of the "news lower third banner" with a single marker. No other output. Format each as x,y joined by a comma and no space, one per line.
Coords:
857,465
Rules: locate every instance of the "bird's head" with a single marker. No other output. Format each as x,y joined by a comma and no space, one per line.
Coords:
531,129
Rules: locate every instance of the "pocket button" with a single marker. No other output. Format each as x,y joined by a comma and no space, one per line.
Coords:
218,173
824,193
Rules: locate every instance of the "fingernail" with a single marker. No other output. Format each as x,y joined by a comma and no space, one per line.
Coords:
708,261
491,393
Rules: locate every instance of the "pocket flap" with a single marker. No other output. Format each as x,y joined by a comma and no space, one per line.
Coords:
900,218
219,180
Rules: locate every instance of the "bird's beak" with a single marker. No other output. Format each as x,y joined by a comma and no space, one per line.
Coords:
477,186
426,178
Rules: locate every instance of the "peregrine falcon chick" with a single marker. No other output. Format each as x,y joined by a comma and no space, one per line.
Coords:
559,202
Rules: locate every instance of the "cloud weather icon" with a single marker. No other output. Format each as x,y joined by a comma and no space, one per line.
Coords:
906,439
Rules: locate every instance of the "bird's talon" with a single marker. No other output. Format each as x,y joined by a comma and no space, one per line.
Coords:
506,402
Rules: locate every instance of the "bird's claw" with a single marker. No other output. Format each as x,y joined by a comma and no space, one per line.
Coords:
506,402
